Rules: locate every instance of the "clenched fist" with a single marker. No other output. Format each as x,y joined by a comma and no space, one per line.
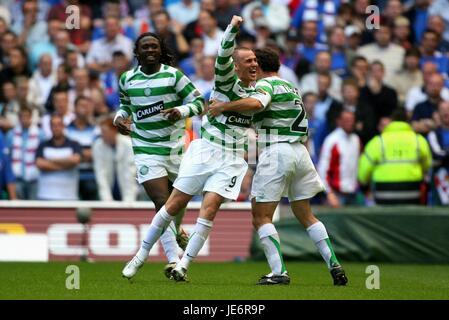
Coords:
236,21
123,125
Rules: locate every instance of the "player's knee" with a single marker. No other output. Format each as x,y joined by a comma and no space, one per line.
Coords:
209,210
256,223
159,201
303,213
159,197
306,218
172,207
260,220
176,202
209,213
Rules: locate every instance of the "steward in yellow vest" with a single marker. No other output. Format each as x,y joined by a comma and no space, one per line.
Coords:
395,162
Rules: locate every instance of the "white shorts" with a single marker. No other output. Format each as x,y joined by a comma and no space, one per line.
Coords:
285,170
206,166
151,167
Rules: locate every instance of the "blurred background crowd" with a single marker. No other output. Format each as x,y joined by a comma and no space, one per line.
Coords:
59,85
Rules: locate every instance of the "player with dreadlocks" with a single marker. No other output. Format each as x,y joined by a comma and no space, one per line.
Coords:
158,98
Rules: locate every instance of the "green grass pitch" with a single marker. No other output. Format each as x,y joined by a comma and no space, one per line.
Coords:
220,281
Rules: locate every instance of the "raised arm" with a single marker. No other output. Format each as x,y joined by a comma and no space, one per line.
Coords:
224,64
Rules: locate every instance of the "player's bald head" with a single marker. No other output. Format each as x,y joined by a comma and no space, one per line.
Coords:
241,52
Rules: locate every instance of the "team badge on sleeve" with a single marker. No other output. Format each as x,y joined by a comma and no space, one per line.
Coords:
143,170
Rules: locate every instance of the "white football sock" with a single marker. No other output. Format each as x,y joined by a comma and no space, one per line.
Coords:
317,232
159,223
168,241
196,242
272,248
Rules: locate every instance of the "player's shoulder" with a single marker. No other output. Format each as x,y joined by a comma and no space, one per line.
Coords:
264,82
168,68
174,73
172,70
282,81
274,81
128,74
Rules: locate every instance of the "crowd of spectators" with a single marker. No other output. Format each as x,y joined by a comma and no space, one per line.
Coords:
59,71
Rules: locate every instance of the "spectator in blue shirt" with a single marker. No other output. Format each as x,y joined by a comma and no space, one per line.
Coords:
82,131
436,23
309,47
120,64
439,144
322,11
7,178
337,42
429,51
423,115
418,16
317,127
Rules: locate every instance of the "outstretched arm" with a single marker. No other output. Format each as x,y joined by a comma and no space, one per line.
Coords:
257,100
194,101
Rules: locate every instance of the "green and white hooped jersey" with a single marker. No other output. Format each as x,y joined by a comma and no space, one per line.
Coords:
143,97
228,129
283,118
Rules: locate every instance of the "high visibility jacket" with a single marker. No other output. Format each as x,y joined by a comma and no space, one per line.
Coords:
396,162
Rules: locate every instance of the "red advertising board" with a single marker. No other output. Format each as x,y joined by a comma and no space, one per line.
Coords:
112,233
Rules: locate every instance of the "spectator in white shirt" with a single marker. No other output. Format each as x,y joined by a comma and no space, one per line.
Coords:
212,35
184,11
339,162
63,47
323,62
44,78
30,30
391,55
114,164
99,56
204,76
277,15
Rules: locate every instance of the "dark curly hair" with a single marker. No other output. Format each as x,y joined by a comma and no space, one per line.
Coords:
166,55
268,60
